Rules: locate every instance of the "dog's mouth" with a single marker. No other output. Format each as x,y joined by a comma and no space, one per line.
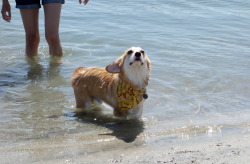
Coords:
137,59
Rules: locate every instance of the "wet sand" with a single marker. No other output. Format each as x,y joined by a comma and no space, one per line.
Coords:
231,147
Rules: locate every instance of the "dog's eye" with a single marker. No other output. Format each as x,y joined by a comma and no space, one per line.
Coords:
142,52
130,52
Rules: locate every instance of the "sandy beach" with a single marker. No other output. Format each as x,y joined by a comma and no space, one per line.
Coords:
229,148
233,149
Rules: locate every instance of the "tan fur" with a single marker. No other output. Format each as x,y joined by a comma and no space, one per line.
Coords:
91,83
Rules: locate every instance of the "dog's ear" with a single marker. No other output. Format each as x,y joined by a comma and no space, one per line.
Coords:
114,67
148,63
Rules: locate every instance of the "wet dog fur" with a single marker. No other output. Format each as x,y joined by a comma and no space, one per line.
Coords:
94,83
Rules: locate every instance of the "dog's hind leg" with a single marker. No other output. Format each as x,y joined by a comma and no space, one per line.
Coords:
83,100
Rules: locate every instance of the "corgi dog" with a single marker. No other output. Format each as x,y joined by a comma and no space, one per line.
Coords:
122,84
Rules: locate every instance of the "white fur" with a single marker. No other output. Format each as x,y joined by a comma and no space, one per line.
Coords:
136,112
138,71
137,74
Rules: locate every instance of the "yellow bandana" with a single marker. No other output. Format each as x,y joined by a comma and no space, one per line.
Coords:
127,96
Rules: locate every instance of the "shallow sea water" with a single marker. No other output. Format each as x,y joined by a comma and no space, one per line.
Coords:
199,85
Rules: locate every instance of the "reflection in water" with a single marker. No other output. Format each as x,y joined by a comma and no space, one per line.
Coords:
126,130
36,72
54,67
35,95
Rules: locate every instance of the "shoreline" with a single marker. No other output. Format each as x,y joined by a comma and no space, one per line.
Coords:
229,147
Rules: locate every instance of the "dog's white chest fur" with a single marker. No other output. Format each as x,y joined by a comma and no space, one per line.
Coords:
136,112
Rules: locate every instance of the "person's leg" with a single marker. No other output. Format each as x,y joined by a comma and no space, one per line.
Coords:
30,22
52,13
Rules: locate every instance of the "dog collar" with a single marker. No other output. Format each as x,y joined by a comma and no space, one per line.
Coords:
127,96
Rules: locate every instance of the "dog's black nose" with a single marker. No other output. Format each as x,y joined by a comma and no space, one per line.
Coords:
137,54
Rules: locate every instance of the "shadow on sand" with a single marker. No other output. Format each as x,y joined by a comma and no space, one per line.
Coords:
126,130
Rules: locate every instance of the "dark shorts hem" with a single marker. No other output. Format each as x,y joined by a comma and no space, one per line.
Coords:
53,1
34,6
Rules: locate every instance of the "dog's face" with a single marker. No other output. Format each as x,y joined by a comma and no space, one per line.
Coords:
134,64
135,57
